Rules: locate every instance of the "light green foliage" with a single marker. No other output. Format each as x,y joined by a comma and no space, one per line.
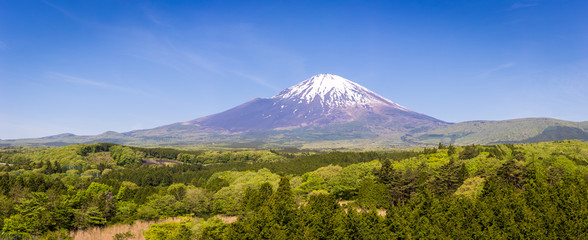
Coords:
107,171
343,182
125,156
187,158
146,212
96,188
227,198
482,164
347,183
318,179
130,185
67,156
296,181
317,192
6,208
177,190
213,228
31,215
126,211
434,160
570,155
95,173
125,191
198,200
170,230
164,206
94,216
96,205
471,187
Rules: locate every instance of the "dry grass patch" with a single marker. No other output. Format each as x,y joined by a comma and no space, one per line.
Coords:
107,233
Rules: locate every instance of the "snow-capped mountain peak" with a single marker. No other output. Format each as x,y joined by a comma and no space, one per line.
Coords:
333,91
322,100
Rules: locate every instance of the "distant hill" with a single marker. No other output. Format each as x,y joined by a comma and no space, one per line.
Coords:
508,131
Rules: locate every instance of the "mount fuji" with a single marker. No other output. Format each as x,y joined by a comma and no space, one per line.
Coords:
322,100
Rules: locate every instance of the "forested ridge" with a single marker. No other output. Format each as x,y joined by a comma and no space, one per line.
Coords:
508,191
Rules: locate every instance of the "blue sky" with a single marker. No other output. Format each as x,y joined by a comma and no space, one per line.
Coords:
86,67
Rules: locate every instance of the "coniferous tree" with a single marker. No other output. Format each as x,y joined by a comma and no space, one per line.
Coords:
449,177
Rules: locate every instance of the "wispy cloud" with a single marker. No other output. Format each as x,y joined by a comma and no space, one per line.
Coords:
152,17
61,10
166,53
516,6
496,69
256,79
87,82
204,63
233,51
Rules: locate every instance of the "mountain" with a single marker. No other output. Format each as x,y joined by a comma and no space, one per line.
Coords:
321,100
327,111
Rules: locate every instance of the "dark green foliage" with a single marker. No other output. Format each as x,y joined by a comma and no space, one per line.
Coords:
323,218
94,148
32,182
282,204
402,184
216,184
372,195
275,219
215,229
253,198
165,153
156,176
451,150
494,151
448,178
470,151
511,172
429,150
123,236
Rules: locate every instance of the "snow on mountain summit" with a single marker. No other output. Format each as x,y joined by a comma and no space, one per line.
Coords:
333,91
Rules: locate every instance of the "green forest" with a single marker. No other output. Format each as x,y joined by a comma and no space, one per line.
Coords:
506,191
